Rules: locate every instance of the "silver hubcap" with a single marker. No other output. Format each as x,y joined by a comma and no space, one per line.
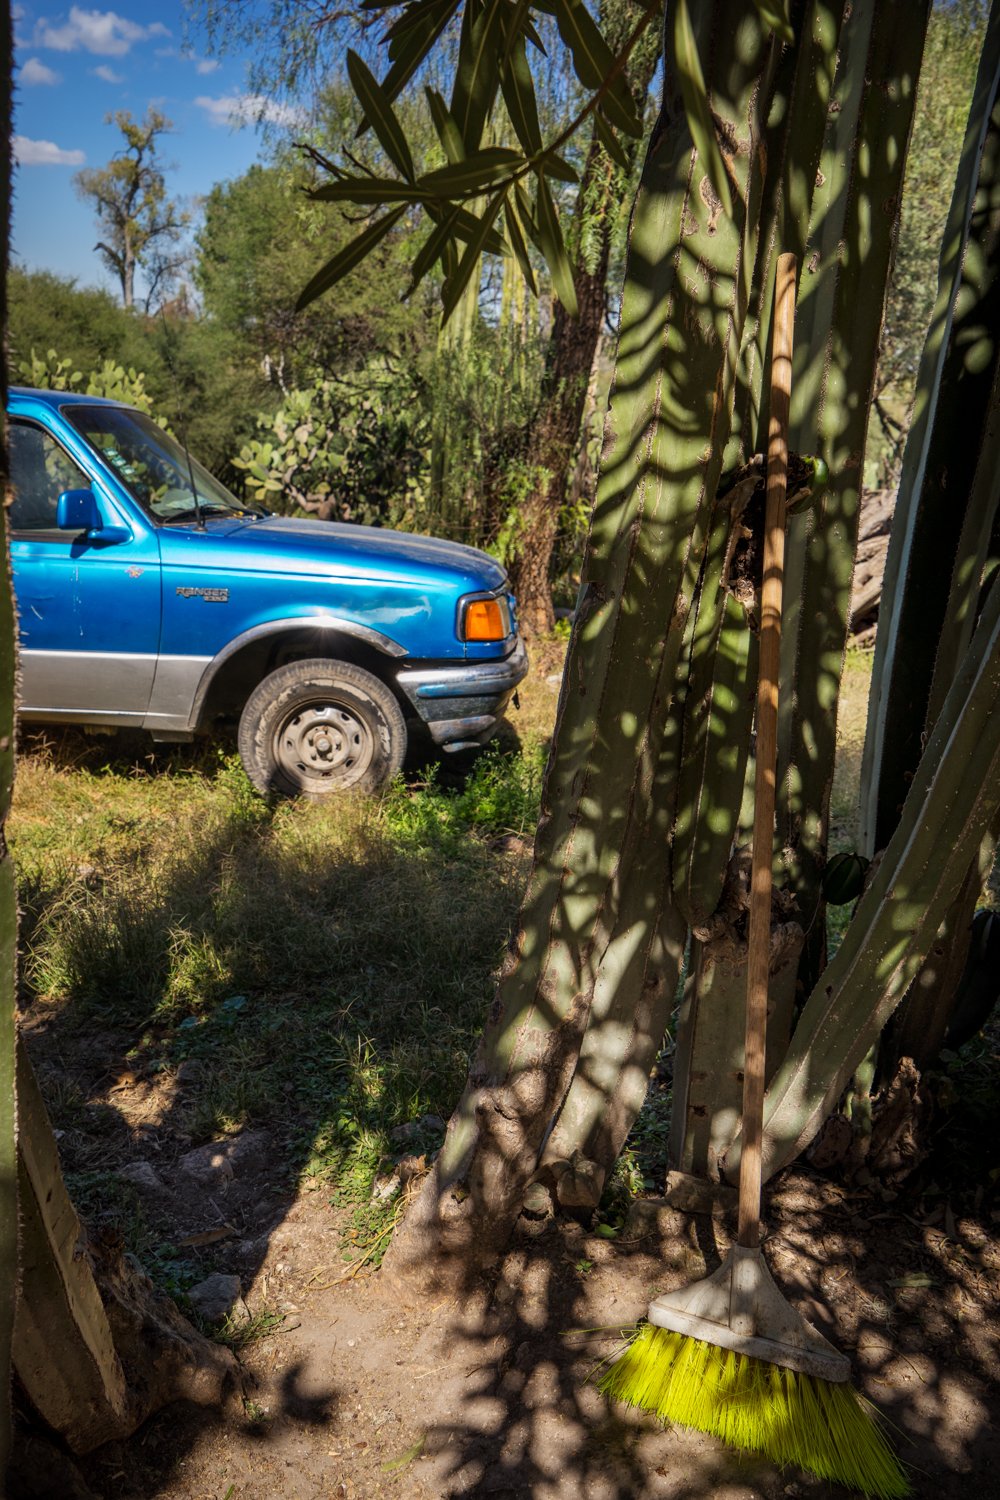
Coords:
324,741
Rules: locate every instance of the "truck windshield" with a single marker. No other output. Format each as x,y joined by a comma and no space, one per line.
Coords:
151,465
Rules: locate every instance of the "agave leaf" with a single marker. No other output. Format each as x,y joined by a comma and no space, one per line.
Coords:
696,106
380,115
774,13
348,257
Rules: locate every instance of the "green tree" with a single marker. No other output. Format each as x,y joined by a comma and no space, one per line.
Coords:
140,225
199,374
258,243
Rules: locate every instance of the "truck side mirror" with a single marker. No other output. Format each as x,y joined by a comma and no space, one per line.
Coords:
76,510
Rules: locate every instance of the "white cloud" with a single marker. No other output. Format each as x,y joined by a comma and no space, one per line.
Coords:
105,71
249,109
29,153
36,72
207,65
100,31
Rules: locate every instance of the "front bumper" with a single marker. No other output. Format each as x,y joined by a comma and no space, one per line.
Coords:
462,705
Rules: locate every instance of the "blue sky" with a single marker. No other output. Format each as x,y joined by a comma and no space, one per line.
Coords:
76,63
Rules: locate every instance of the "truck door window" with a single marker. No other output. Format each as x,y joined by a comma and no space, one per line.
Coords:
39,472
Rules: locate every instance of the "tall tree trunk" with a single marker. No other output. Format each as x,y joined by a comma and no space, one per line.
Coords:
550,445
552,441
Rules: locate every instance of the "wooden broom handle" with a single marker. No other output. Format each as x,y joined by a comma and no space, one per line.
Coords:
759,948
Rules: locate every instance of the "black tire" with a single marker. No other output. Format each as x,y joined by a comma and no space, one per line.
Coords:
315,728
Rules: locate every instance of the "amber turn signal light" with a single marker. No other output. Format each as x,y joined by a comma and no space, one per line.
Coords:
484,621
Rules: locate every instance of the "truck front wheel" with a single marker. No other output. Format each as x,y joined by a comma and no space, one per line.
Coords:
315,728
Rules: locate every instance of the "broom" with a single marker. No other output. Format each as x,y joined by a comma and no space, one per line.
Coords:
729,1355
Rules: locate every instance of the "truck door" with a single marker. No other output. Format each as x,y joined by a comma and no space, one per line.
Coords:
88,613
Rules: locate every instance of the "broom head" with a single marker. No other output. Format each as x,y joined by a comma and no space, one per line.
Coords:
729,1356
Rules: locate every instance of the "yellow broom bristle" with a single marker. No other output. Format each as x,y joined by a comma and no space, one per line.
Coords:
758,1407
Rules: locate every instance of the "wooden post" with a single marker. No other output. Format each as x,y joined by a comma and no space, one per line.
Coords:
759,955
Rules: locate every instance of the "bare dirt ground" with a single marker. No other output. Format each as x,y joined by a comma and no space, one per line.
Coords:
359,1392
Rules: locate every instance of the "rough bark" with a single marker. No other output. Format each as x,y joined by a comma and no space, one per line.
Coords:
551,443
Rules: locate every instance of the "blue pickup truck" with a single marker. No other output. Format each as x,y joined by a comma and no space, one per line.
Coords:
148,595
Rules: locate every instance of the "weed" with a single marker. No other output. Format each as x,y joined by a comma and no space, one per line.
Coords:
257,1416
238,1333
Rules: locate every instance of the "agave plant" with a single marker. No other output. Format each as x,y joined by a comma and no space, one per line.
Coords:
638,847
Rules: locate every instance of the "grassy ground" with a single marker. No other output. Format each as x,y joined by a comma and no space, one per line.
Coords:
321,971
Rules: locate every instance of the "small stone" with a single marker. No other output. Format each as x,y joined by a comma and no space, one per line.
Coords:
142,1175
425,1125
190,1071
213,1166
537,1202
217,1297
386,1187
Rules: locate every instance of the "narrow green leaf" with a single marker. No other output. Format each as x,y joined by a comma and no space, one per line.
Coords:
448,132
533,37
695,96
593,61
477,76
555,166
774,13
554,250
347,258
519,96
410,18
455,285
431,251
414,47
466,225
380,115
367,190
391,1465
516,237
610,142
474,173
526,214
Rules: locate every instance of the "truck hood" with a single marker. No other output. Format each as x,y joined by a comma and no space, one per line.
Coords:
283,543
